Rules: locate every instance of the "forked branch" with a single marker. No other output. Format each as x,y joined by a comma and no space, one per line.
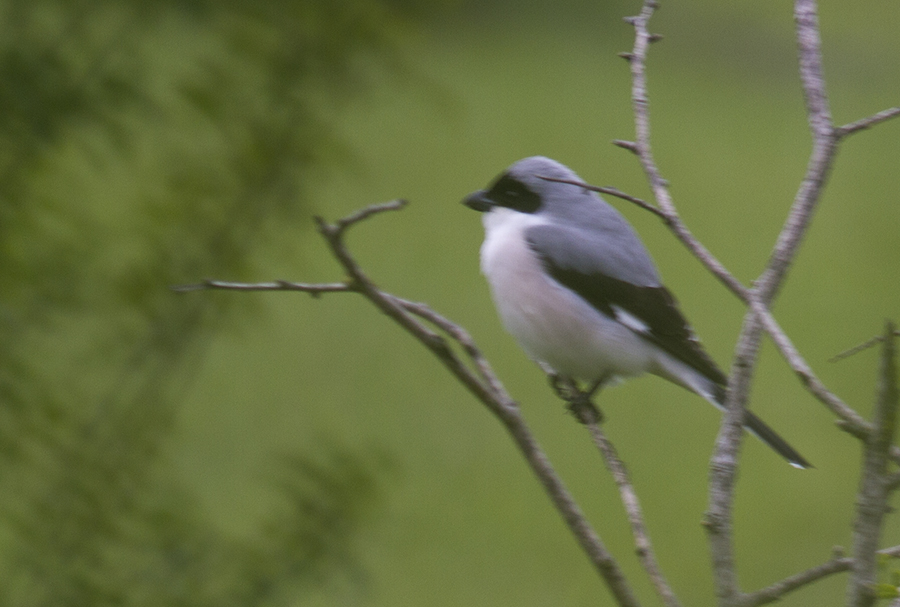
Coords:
474,372
758,318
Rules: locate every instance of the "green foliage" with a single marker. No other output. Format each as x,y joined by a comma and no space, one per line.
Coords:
146,144
104,535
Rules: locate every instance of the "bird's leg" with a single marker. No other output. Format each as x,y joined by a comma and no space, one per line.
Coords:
578,401
583,408
561,384
595,387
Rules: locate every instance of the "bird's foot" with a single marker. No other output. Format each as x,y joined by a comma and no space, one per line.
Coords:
584,410
578,401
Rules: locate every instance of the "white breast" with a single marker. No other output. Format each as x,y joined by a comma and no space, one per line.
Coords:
552,323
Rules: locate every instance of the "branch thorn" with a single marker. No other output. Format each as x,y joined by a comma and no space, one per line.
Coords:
626,145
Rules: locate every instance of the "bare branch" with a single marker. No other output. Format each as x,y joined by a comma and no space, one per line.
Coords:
482,382
777,591
874,490
856,349
722,469
867,123
724,466
588,415
824,148
850,419
825,138
366,212
612,192
644,548
278,285
498,402
838,564
641,105
626,145
462,337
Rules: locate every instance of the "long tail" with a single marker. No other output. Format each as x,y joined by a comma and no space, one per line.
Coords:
711,386
763,432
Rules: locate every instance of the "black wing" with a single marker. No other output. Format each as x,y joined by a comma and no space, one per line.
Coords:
656,310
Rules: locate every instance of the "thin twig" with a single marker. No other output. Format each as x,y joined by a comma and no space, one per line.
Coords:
856,349
462,337
588,415
791,234
758,318
851,421
482,382
777,591
612,192
278,285
821,158
838,564
366,212
867,123
643,546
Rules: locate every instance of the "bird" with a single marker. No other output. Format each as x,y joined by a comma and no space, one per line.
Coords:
575,286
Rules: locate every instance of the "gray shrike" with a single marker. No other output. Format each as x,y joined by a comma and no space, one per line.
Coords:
577,289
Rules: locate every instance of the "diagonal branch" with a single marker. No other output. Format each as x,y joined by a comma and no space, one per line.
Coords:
777,591
838,564
481,382
635,514
644,547
587,414
614,192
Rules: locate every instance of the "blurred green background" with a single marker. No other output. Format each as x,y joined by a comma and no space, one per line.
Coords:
275,449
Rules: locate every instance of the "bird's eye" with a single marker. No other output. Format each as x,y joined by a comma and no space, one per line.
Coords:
513,194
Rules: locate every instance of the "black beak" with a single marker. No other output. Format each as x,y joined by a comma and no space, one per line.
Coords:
478,201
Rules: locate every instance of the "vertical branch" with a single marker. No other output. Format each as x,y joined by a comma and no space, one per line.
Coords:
724,463
641,106
875,485
723,470
825,138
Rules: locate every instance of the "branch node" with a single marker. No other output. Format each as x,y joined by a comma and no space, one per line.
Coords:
655,38
626,56
324,228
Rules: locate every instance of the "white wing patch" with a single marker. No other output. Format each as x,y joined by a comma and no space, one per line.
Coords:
630,320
